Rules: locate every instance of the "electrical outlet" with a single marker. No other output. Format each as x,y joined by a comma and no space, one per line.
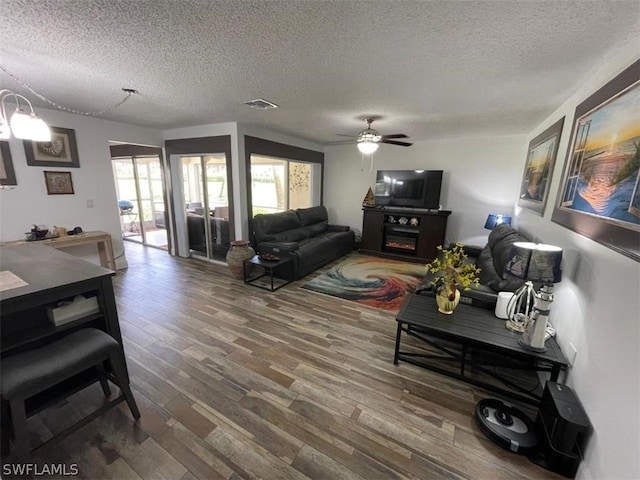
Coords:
90,203
573,353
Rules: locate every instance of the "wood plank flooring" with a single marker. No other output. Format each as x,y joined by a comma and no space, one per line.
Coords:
236,382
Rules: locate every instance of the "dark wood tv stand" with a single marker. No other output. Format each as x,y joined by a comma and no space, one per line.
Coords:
403,233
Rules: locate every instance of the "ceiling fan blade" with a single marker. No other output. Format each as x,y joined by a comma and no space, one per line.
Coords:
394,142
394,135
343,135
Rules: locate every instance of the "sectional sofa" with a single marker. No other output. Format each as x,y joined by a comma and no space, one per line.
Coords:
492,259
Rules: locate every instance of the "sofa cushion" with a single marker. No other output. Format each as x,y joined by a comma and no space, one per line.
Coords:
277,248
309,216
287,236
315,229
494,257
315,252
500,241
271,223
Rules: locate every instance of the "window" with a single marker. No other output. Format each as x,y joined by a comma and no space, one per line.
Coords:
278,185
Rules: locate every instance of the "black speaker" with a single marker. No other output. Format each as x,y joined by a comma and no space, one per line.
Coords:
562,426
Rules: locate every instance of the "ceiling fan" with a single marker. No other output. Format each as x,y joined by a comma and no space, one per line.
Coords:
368,139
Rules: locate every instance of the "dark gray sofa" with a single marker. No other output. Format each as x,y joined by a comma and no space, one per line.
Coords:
303,234
492,260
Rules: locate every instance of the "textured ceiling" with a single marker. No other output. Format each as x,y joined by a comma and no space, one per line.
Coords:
427,68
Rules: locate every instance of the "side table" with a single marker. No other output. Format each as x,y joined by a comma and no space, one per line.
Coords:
268,267
470,329
101,239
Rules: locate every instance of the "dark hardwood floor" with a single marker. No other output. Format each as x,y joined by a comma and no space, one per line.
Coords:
236,382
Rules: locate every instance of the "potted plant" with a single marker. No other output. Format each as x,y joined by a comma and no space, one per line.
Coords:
452,273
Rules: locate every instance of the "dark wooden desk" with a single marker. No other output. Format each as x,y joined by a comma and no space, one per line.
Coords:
472,329
51,276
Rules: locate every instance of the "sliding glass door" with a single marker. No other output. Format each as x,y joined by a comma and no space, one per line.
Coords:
206,202
139,187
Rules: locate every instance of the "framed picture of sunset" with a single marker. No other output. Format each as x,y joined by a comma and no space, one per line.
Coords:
599,195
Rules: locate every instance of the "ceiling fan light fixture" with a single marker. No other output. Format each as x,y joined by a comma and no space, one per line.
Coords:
367,147
369,139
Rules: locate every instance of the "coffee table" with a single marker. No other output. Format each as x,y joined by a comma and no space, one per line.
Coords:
473,337
283,265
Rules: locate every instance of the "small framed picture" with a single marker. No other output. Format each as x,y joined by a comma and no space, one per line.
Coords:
58,183
61,151
541,159
7,173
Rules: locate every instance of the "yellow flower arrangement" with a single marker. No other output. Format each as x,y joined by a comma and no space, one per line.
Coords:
451,270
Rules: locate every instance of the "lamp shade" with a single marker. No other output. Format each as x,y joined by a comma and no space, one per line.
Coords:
39,129
21,124
535,262
367,147
494,219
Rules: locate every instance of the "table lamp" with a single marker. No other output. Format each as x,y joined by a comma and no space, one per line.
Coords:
494,219
539,263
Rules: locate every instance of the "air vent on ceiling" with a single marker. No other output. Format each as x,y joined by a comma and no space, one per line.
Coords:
260,104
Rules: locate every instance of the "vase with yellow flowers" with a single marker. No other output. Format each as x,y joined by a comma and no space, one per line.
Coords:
452,273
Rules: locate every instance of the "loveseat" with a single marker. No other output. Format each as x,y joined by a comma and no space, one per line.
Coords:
491,260
303,234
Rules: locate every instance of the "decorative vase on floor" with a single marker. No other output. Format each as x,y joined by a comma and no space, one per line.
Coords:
237,254
447,299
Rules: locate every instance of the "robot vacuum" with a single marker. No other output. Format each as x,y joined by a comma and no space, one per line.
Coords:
505,425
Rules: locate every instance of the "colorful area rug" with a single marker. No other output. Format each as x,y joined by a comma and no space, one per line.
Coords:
373,281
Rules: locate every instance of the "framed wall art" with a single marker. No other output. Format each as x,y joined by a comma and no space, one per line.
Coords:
61,151
7,173
599,195
58,183
541,158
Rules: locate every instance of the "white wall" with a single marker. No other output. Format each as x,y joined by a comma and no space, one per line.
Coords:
29,203
481,176
596,308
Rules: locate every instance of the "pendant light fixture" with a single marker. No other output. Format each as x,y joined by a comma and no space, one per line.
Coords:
24,123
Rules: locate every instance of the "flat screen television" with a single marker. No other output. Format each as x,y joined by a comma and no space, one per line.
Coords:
409,188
